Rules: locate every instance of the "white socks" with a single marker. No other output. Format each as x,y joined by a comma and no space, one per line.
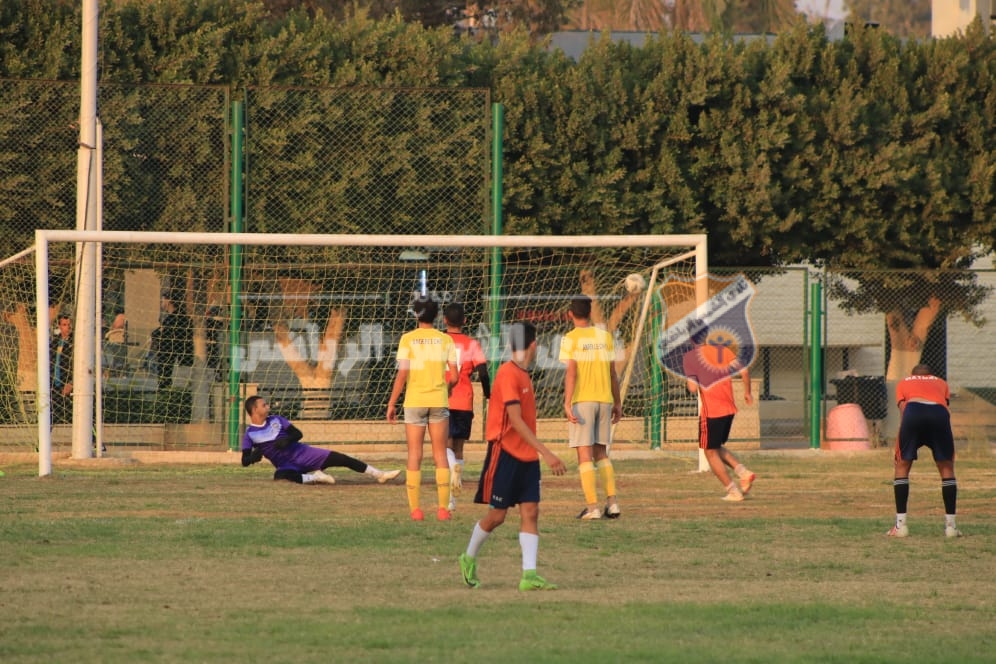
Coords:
530,549
477,539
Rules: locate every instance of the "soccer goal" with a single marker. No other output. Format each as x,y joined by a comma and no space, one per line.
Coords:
191,324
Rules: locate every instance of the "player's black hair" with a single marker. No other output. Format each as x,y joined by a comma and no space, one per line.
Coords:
454,314
700,332
251,403
521,334
581,306
426,309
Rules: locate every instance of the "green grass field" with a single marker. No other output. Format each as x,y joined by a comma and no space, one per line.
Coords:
116,562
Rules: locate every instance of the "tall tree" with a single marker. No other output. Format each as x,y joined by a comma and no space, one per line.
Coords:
896,193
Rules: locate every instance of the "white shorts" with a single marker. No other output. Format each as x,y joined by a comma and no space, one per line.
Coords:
594,425
424,416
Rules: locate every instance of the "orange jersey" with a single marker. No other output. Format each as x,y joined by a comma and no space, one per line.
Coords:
718,401
511,385
923,388
469,357
709,367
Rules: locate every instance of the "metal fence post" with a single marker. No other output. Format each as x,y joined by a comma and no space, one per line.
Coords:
494,304
235,276
815,363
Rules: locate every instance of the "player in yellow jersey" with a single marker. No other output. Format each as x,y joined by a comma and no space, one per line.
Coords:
592,405
427,370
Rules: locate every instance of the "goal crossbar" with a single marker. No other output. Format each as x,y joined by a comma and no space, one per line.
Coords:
284,239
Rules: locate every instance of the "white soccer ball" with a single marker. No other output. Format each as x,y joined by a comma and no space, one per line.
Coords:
635,283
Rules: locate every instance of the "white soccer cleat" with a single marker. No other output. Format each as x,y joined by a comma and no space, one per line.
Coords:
900,531
951,531
746,482
590,514
734,495
387,476
318,477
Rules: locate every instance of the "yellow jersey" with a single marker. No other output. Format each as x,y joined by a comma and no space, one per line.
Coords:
593,350
426,352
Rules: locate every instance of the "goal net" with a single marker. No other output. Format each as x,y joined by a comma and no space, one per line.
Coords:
192,324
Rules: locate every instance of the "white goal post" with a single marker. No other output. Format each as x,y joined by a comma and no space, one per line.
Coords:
350,284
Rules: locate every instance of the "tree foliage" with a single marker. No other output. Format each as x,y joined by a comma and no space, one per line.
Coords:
872,152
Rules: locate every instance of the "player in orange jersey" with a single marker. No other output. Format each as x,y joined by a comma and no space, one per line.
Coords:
511,474
709,370
923,400
470,359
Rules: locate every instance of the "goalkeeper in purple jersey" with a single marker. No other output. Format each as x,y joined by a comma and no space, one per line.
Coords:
274,438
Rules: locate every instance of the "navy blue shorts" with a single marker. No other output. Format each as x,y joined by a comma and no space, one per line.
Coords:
507,481
460,421
714,431
925,424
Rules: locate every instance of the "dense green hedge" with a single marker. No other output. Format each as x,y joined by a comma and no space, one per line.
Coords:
868,152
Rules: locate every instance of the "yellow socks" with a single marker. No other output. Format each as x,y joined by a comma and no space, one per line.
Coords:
607,475
443,486
588,482
413,482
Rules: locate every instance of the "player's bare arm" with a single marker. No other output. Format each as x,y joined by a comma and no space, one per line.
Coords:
399,384
748,397
616,398
452,375
570,378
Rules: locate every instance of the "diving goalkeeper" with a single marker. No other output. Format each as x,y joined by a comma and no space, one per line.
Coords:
274,438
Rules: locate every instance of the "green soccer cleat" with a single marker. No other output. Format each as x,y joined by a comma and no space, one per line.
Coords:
468,570
533,581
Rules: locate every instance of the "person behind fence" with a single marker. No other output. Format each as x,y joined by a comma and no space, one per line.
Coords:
923,401
592,405
709,371
470,359
173,340
511,474
274,438
62,370
116,344
426,372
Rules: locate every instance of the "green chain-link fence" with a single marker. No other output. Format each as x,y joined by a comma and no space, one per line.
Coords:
372,161
380,161
314,161
875,327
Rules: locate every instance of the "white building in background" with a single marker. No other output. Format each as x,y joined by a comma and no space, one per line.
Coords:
949,17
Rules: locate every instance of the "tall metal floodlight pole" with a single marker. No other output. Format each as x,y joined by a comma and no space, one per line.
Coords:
87,214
